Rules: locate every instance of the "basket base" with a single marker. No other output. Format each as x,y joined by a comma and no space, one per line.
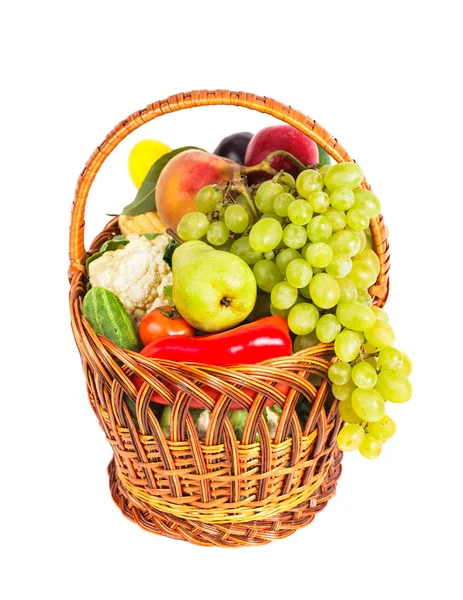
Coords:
231,535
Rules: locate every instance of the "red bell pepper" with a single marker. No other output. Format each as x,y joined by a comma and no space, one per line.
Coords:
248,344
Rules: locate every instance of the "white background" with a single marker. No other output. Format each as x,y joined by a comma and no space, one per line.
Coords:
385,79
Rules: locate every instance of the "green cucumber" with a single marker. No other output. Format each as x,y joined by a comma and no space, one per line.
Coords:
109,317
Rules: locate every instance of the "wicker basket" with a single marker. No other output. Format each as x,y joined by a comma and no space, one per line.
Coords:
223,491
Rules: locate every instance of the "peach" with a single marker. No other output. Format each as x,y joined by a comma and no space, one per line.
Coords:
182,178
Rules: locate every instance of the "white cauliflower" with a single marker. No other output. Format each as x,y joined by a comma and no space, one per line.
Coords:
136,273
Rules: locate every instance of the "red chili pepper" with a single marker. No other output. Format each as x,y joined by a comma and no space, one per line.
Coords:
248,344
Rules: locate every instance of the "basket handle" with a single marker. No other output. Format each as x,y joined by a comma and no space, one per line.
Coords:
77,252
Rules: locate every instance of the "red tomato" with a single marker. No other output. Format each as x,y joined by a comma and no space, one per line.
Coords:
163,322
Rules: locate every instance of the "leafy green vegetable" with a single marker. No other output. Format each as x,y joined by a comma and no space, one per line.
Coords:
167,257
145,200
115,243
168,294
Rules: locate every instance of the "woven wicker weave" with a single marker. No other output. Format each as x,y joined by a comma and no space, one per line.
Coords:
221,491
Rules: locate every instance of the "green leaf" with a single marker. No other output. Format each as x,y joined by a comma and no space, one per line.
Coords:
167,257
145,200
151,236
167,290
323,157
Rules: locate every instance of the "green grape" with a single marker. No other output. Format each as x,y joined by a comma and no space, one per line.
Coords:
368,202
336,217
207,198
242,201
285,257
225,247
324,291
390,358
355,316
368,404
303,318
300,212
344,242
299,273
269,255
242,248
369,257
285,312
319,255
406,368
283,295
350,437
324,168
272,215
265,195
369,348
267,275
305,292
383,429
192,226
287,181
265,235
319,229
304,249
364,375
308,181
305,341
339,372
363,297
361,274
368,239
328,328
361,237
370,447
380,314
340,266
347,345
236,218
294,236
348,291
347,412
394,387
281,204
342,198
344,174
380,335
319,201
357,219
359,335
218,233
344,391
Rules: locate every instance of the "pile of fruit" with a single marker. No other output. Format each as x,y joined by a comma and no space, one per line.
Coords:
258,250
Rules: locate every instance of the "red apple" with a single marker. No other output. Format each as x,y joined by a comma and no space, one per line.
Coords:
281,137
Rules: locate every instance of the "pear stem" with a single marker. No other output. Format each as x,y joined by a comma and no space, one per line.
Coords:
173,235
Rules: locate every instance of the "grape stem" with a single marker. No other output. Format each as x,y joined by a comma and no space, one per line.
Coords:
241,188
264,166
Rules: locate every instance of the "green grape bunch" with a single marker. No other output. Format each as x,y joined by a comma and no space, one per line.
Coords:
310,249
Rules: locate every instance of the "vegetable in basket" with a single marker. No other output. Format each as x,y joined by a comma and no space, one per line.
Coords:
248,344
161,322
108,316
136,273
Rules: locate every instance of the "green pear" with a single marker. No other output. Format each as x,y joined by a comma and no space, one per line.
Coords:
212,290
